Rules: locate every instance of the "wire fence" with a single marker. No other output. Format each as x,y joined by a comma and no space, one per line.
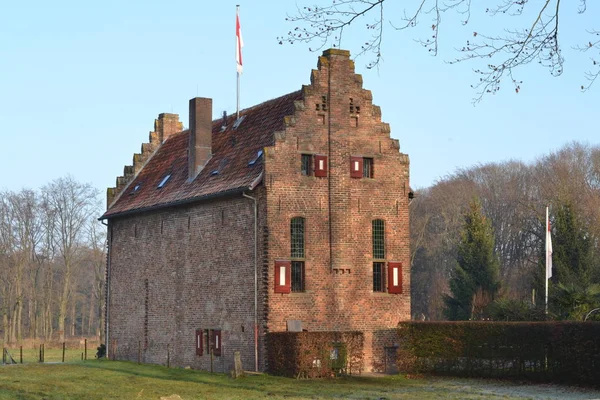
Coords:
49,352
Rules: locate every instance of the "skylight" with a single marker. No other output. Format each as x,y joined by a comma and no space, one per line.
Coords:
258,156
165,179
238,121
215,172
136,188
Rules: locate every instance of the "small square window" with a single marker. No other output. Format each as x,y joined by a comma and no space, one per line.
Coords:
306,164
367,167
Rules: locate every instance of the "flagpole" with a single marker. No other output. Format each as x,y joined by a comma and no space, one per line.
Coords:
546,266
238,49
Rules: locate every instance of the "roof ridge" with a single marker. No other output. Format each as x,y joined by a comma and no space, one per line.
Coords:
270,100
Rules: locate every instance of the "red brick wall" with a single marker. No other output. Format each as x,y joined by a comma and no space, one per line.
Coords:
198,260
338,210
199,265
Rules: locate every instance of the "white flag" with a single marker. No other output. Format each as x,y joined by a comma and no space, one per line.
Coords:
239,42
548,248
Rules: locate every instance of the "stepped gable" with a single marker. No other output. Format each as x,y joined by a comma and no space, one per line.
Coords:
232,149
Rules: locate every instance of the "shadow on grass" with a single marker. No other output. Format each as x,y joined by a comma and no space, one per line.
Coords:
263,384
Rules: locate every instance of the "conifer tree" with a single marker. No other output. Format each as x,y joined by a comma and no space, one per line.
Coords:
475,276
573,289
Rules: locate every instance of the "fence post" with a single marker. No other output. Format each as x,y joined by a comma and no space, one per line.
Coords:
63,357
168,356
139,350
43,352
40,358
4,355
21,354
85,349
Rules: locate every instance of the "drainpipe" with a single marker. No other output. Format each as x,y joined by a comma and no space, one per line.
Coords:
255,280
107,283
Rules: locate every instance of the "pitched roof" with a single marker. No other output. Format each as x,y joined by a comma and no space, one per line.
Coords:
233,149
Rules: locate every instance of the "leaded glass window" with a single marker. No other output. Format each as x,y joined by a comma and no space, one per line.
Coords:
297,252
297,231
297,276
378,239
378,268
306,166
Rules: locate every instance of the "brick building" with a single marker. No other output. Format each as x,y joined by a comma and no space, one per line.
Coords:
294,216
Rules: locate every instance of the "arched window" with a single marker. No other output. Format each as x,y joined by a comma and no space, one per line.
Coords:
378,239
297,253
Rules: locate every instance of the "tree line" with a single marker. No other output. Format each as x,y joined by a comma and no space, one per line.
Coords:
477,247
52,261
478,239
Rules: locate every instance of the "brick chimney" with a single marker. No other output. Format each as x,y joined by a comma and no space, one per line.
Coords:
200,150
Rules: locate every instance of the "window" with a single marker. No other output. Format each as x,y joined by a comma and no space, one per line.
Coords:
361,167
199,349
136,188
313,165
216,343
297,253
297,276
238,121
378,276
367,167
378,238
258,156
306,164
165,179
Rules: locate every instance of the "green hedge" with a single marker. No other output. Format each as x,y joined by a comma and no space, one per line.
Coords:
566,352
314,354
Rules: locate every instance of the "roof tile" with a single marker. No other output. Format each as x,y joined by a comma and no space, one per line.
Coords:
232,150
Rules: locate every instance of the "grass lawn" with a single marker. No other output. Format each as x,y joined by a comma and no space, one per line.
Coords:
103,379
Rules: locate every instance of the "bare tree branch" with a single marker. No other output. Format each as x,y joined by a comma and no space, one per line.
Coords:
591,75
503,54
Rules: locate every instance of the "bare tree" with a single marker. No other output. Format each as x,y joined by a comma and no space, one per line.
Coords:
72,204
7,245
513,196
97,261
501,54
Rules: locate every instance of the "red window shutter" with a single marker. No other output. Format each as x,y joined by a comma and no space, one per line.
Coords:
321,166
283,276
217,343
394,277
356,167
199,349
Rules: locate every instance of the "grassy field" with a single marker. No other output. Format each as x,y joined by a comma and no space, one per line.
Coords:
73,352
103,379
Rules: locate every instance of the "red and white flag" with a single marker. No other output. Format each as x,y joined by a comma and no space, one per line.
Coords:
239,41
548,248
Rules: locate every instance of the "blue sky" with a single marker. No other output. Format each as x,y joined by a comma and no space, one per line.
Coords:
81,84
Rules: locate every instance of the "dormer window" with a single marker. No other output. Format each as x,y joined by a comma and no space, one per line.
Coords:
164,181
